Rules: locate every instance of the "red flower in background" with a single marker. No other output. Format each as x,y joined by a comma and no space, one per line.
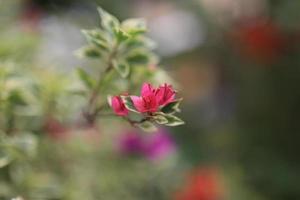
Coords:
31,15
202,184
55,129
259,40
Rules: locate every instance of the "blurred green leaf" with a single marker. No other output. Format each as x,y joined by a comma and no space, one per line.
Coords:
122,68
108,21
5,158
134,26
147,126
88,51
173,120
121,36
172,107
94,37
88,81
138,57
15,97
160,118
25,144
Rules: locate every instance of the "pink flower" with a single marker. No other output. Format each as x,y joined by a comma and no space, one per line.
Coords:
118,106
147,102
147,89
165,94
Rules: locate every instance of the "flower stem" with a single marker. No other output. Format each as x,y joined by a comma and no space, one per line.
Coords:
135,122
91,113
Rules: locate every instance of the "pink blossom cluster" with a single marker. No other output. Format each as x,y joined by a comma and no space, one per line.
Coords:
150,101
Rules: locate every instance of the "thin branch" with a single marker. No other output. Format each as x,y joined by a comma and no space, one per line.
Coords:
135,122
89,114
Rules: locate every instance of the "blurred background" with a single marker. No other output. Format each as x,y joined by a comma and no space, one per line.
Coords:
237,66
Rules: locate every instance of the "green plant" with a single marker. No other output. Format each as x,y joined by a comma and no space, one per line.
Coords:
126,61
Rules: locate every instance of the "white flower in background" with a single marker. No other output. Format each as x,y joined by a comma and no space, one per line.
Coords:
176,31
227,10
17,198
60,37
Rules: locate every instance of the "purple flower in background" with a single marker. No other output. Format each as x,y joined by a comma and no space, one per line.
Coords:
155,146
158,145
131,143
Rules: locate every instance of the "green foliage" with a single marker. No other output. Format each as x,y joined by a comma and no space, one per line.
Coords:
147,126
122,68
37,104
123,49
172,107
85,78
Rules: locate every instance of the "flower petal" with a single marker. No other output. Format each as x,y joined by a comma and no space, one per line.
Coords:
118,106
146,89
138,103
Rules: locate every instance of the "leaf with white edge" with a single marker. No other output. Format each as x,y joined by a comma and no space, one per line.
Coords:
109,97
129,104
17,198
172,107
94,37
108,21
122,68
138,57
97,34
121,36
5,159
160,118
173,120
86,78
88,51
147,126
134,26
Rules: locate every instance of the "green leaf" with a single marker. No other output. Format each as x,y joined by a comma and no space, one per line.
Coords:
122,68
121,36
16,97
172,107
25,144
129,104
134,26
138,43
147,126
95,37
97,34
138,57
160,118
173,120
88,51
5,158
86,78
108,21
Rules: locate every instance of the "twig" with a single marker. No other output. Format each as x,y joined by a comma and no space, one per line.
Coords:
135,122
89,114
